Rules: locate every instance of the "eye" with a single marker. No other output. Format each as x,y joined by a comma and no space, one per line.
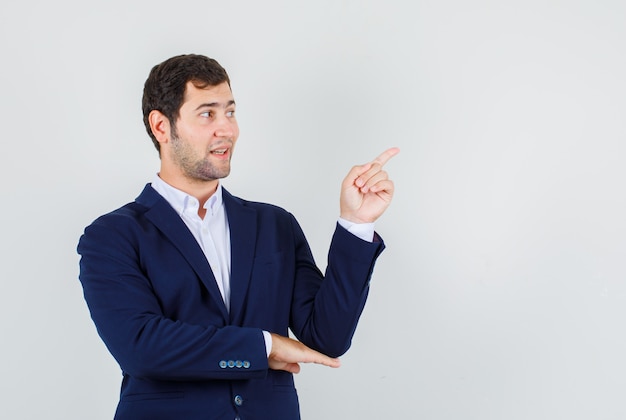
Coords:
230,114
207,114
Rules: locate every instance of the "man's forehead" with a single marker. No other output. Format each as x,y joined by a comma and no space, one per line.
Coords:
212,94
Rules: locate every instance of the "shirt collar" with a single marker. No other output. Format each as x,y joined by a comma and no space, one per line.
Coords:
180,200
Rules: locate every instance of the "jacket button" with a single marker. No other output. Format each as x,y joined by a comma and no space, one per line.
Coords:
223,364
238,400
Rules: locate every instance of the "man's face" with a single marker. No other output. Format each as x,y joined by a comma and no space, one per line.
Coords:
203,138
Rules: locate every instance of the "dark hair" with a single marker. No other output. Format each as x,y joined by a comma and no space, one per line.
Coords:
164,89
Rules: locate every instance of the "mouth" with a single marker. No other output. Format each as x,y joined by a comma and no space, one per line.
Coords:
219,152
221,149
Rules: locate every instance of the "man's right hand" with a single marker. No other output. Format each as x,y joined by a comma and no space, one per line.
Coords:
287,354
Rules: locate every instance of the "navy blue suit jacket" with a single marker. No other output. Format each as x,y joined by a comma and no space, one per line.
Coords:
157,307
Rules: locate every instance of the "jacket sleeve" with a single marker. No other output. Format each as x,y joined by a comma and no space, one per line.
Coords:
129,317
326,310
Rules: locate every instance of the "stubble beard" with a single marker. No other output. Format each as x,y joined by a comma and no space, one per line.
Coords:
194,166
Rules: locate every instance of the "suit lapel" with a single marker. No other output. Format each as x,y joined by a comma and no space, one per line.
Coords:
242,223
163,216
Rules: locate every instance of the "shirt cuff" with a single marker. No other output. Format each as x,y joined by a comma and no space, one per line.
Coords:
268,342
363,231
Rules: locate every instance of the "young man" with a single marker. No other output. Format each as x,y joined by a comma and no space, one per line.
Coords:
193,290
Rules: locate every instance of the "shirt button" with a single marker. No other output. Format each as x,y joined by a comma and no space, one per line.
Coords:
238,400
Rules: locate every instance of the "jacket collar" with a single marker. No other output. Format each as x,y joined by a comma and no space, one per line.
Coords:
242,222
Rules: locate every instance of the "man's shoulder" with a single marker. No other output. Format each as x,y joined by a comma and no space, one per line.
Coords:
260,206
130,212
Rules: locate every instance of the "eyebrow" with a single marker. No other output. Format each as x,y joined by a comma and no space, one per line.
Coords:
215,105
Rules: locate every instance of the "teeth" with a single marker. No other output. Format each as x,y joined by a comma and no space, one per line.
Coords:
219,152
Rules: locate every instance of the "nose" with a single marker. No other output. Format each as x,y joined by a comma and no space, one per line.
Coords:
225,127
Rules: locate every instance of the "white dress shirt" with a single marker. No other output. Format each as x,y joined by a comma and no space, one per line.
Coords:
212,232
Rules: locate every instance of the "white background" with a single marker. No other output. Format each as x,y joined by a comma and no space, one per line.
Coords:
502,293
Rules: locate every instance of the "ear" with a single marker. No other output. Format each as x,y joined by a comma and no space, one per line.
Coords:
160,126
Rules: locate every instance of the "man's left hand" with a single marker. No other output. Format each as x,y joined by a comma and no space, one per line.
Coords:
366,191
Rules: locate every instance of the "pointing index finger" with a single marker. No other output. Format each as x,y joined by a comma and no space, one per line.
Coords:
386,155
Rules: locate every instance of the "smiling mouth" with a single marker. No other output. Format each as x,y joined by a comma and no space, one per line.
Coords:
222,148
